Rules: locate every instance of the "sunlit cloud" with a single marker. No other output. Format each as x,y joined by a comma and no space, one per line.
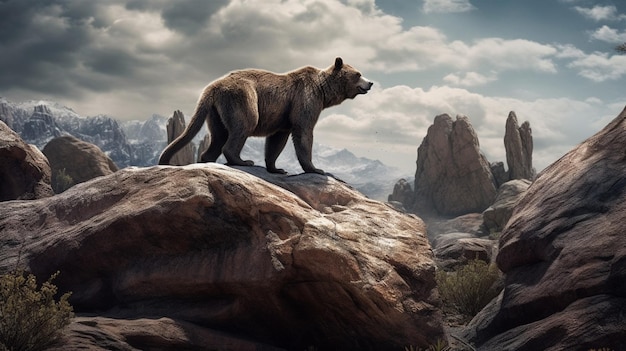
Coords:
447,6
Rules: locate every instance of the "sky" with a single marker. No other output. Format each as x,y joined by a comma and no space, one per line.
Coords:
551,61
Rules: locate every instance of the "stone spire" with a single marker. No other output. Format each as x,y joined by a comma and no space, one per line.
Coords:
175,127
518,143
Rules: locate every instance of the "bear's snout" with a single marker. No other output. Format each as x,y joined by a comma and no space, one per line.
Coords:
364,85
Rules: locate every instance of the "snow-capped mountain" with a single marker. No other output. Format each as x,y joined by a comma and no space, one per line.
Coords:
139,143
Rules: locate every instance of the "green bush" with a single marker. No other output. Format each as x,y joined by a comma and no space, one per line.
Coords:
61,181
30,318
470,288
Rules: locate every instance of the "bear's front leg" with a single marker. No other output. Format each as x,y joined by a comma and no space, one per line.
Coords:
274,145
303,143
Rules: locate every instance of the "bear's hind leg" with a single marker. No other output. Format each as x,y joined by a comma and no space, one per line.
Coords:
219,136
232,149
274,145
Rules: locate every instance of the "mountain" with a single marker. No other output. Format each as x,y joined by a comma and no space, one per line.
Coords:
139,143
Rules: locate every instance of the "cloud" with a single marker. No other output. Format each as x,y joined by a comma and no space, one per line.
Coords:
600,13
609,35
447,6
600,67
470,79
390,123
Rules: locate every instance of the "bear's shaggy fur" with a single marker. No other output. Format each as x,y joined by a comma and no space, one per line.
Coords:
260,103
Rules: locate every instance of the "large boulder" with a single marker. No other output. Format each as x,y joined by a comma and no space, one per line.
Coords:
77,159
518,143
24,170
497,215
305,261
564,256
452,176
175,127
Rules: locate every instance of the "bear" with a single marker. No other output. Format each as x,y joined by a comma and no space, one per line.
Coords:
256,102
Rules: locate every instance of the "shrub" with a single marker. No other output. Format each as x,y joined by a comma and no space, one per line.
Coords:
61,181
30,318
470,288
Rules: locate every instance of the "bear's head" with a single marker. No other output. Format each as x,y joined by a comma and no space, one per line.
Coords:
346,81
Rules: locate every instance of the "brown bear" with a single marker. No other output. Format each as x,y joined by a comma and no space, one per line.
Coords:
260,103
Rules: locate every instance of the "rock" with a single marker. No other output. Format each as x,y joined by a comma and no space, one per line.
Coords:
104,334
204,144
452,176
41,126
454,249
24,170
175,127
564,257
518,143
497,215
402,193
471,223
79,160
499,174
309,262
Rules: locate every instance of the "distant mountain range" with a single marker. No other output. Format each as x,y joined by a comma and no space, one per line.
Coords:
139,143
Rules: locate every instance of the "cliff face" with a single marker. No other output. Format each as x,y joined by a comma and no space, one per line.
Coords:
564,257
212,251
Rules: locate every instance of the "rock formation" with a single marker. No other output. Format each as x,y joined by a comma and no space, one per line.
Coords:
497,215
454,249
305,261
24,170
402,192
564,256
518,143
79,160
41,125
204,144
452,176
175,127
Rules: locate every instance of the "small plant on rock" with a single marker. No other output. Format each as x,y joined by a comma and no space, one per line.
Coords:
61,181
30,317
470,288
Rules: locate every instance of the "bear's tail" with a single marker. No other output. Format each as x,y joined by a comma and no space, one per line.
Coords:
195,124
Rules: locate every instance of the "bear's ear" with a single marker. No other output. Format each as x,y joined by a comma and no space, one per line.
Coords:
338,63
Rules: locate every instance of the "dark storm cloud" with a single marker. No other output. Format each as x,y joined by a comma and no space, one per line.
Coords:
189,16
40,42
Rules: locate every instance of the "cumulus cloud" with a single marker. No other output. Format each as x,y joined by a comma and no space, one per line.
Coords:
600,66
469,79
390,123
162,54
447,6
608,34
600,13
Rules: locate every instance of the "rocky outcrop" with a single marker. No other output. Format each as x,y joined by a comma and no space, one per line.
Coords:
452,176
402,192
455,249
203,146
497,215
305,261
79,160
564,257
471,223
518,143
24,170
175,127
106,334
